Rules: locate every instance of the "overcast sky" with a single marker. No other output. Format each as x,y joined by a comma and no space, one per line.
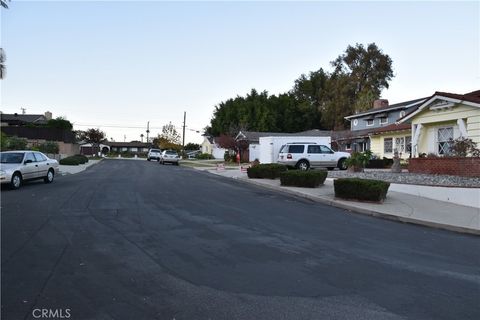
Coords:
117,63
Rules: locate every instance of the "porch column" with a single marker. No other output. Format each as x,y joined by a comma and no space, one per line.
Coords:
462,128
416,134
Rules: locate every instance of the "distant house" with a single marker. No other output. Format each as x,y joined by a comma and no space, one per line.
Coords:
31,127
16,119
210,146
442,117
132,146
376,129
89,149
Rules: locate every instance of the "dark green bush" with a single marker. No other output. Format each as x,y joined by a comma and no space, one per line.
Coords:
74,160
49,147
361,189
379,163
305,179
70,161
266,171
204,156
81,158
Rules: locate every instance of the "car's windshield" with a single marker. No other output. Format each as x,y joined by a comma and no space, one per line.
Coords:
154,150
11,157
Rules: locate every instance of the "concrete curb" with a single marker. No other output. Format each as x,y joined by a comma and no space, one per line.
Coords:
79,169
354,209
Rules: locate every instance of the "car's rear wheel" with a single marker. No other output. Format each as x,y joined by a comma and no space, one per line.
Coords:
16,181
49,177
148,159
303,165
341,164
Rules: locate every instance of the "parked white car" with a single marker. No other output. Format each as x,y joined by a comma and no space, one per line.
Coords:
311,155
19,166
170,156
154,154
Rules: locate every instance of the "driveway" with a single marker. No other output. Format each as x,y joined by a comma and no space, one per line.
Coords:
137,240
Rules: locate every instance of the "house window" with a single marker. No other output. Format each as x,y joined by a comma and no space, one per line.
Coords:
124,148
444,137
383,120
387,145
408,144
348,146
355,122
400,144
369,122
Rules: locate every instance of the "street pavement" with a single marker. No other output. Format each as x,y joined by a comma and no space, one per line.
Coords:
138,240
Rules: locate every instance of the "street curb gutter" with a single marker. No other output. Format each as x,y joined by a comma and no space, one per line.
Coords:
373,213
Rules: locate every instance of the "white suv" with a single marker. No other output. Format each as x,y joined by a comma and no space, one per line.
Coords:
154,154
311,155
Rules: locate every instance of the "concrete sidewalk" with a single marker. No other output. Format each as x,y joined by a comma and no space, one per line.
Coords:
64,170
398,206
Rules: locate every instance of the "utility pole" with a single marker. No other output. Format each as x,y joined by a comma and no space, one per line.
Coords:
183,136
148,129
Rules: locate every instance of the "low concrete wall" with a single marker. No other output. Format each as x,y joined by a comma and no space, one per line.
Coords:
463,196
467,167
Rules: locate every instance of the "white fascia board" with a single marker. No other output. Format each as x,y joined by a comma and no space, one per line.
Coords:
435,97
379,111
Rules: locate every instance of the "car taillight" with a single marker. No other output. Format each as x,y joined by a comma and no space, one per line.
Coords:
289,156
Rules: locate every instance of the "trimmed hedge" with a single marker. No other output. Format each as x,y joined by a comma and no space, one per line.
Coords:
266,171
361,189
74,160
379,163
305,179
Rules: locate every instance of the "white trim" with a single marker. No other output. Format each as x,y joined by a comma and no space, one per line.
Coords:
355,122
426,103
384,110
386,122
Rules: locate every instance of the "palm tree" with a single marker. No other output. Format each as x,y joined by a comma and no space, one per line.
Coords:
2,63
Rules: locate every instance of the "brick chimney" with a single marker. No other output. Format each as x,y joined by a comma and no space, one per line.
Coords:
380,103
48,115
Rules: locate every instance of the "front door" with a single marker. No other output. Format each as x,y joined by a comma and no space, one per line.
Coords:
314,155
328,157
30,167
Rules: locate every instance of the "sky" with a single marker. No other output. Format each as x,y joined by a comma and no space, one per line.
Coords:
116,65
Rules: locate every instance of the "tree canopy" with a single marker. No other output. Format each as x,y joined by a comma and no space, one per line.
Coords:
169,138
317,100
93,136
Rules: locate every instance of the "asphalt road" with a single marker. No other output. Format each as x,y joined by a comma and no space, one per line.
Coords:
137,240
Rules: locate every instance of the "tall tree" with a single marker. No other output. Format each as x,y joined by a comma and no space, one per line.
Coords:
3,67
369,71
170,134
93,136
3,57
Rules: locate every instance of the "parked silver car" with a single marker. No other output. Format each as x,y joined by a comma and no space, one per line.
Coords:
19,166
169,156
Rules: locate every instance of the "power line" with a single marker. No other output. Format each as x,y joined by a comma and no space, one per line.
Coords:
128,127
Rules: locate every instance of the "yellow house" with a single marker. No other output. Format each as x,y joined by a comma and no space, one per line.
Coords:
442,117
395,137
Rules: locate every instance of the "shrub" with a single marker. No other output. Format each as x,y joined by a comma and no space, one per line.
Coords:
306,179
358,160
48,147
266,171
74,160
81,158
361,189
379,163
463,147
204,156
14,143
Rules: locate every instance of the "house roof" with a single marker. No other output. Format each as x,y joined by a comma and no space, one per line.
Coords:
471,98
401,105
25,118
393,127
349,134
254,136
